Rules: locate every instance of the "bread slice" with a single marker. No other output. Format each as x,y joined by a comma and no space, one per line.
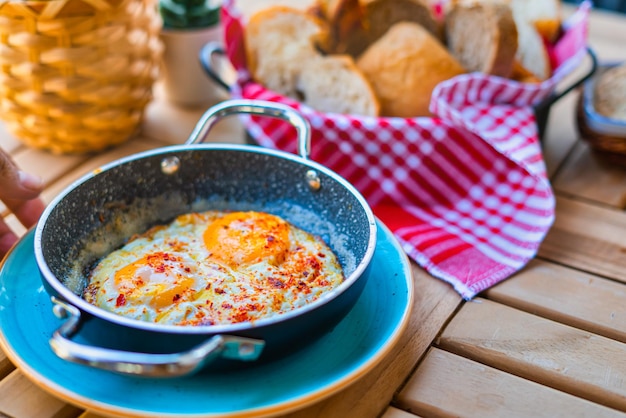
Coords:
521,74
544,15
404,66
610,93
334,84
483,37
279,41
532,53
248,8
358,23
537,22
346,22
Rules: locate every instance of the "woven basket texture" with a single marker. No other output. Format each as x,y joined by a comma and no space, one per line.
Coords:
76,75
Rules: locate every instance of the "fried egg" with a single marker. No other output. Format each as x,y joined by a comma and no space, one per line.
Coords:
214,267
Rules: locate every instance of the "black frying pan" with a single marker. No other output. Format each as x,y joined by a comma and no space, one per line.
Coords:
99,212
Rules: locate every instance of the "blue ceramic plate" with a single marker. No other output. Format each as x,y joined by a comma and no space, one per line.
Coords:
333,362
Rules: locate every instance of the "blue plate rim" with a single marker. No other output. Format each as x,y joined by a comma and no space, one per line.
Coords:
294,404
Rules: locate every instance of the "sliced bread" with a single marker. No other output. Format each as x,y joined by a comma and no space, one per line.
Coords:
279,41
532,53
544,15
482,37
248,8
404,66
334,84
345,20
537,22
358,23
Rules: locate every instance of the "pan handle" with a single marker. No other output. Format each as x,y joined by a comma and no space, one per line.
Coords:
254,107
144,364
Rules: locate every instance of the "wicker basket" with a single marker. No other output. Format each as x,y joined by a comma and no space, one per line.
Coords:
76,75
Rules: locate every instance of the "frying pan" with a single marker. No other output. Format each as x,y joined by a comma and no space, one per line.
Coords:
100,211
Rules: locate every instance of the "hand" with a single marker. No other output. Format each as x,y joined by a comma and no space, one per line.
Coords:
20,193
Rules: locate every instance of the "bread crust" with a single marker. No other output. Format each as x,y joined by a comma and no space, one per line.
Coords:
483,37
334,84
282,53
404,66
610,93
356,24
278,41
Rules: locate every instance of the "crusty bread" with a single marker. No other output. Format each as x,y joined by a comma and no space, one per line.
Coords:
279,41
609,98
482,37
532,53
248,8
358,23
404,66
537,21
334,84
345,20
282,55
544,15
521,74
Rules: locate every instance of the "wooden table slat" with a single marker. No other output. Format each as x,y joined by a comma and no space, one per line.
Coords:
587,237
20,398
393,412
567,296
584,171
447,385
578,362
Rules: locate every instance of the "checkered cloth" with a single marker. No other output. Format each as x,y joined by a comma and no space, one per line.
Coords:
466,193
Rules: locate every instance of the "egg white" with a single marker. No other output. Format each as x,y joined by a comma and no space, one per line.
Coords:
214,268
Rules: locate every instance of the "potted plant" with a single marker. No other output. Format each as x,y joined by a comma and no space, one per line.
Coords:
187,26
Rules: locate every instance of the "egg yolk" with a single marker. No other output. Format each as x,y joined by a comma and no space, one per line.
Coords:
243,238
158,278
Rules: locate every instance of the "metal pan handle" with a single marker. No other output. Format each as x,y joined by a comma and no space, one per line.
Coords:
144,364
254,107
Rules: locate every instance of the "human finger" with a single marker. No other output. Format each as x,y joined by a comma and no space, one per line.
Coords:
15,183
26,211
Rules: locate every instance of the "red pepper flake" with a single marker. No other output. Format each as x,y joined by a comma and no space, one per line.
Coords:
121,300
176,298
303,287
277,283
219,291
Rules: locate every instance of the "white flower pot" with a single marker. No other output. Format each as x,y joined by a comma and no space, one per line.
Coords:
184,81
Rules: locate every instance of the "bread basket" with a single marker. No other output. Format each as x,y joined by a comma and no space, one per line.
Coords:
567,54
449,187
77,74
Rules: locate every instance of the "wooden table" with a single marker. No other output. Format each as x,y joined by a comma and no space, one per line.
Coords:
550,341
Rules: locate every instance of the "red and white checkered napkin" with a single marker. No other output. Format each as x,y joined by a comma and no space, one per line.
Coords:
466,193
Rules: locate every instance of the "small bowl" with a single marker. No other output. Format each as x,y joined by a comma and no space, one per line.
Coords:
605,135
